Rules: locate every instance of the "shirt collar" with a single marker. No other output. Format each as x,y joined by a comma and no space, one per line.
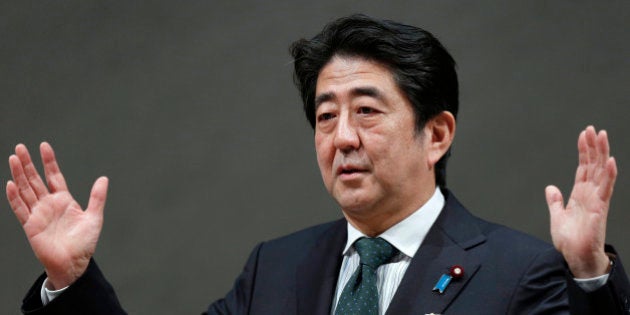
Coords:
408,234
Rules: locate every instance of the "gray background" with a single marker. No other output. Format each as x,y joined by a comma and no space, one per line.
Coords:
190,110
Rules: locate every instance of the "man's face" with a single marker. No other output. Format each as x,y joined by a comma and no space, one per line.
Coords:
371,157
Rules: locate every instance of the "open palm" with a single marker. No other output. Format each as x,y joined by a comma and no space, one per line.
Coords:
62,235
578,230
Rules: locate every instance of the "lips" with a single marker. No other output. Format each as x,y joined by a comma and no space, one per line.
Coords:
349,170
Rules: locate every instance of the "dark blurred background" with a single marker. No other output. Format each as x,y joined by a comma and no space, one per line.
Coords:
190,110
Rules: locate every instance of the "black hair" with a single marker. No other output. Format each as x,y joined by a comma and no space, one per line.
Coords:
422,68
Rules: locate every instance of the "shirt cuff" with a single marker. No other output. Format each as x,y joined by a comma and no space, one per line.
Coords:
48,295
592,284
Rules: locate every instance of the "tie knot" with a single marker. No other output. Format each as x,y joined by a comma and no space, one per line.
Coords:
374,251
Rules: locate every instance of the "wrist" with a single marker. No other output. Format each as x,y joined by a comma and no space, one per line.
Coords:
47,295
64,278
599,265
55,283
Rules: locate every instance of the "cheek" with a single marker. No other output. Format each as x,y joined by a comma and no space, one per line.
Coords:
325,154
395,155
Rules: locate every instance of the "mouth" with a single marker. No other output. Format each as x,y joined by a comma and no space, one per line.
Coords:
349,170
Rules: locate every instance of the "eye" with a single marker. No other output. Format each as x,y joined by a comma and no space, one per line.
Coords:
325,116
366,110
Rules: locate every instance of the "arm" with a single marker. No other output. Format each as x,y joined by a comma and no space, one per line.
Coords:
612,298
238,300
62,235
547,287
89,294
578,230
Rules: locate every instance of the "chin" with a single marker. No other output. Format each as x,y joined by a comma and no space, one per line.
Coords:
356,197
354,204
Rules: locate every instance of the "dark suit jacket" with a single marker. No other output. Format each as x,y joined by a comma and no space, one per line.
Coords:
505,272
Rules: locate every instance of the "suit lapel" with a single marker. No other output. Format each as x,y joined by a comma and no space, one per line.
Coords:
318,272
447,244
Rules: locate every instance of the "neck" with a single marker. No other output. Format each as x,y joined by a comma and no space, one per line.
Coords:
376,220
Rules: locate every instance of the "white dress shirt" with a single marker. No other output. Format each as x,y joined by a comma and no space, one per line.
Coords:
407,236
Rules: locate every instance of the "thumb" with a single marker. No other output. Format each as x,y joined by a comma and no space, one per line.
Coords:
98,196
555,202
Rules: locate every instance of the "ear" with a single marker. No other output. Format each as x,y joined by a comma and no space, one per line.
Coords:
439,133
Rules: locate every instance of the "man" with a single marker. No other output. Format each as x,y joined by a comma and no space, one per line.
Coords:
382,99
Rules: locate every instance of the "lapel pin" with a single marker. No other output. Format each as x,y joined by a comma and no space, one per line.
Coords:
456,272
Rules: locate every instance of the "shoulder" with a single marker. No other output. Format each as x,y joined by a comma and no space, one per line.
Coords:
276,260
306,237
520,261
461,225
517,248
509,238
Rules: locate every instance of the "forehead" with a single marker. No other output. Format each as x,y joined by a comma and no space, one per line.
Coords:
341,74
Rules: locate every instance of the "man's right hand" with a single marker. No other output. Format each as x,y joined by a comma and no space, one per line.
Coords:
62,235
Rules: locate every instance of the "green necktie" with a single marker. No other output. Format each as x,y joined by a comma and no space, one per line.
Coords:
360,295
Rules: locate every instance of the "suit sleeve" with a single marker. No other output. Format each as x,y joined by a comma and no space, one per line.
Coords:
90,294
547,287
612,298
542,287
238,300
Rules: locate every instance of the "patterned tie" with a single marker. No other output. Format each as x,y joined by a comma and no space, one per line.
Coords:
360,295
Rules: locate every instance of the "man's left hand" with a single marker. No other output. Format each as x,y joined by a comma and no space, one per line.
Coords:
578,230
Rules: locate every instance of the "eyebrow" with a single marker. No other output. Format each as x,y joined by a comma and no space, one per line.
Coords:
322,98
355,92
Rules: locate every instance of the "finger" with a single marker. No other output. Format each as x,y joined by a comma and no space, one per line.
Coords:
34,180
591,144
603,147
608,182
580,174
602,150
20,209
555,202
98,196
54,177
24,188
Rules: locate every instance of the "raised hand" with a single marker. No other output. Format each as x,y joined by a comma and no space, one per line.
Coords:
62,235
578,230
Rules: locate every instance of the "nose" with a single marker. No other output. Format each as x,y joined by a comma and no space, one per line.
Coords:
346,136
